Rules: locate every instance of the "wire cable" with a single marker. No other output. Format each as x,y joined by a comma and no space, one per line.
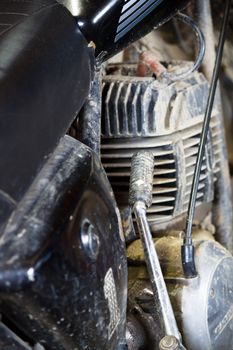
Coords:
187,250
200,53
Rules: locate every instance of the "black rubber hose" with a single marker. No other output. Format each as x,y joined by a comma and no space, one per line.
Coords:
187,250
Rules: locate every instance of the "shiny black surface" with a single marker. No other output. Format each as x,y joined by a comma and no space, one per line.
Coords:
114,24
45,73
50,286
10,341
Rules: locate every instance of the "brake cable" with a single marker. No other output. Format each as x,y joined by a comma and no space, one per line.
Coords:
187,249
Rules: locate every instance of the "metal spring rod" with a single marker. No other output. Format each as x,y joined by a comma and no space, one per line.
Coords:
187,248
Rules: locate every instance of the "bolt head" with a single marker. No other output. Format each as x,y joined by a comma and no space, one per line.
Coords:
169,343
90,240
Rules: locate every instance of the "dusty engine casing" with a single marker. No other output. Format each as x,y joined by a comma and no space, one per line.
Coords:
203,306
166,119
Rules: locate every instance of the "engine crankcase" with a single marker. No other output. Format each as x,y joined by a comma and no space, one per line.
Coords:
203,306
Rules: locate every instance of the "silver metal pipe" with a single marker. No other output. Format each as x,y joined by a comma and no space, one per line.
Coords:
156,276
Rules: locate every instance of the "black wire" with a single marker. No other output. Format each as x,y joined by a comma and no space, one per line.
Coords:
201,150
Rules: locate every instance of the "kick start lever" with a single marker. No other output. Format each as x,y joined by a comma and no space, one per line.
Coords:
140,198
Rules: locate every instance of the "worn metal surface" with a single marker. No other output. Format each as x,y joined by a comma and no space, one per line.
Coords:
203,306
141,178
141,185
52,288
169,343
160,294
144,114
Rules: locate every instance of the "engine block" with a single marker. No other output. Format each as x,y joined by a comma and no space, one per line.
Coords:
166,119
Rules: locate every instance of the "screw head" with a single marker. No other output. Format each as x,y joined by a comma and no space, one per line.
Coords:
90,240
169,343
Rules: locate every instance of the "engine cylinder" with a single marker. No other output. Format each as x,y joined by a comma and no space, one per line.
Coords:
165,119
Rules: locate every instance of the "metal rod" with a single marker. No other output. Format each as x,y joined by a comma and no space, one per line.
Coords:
187,248
222,206
140,197
156,276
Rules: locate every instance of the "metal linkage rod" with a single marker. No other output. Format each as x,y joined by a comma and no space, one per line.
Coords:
141,185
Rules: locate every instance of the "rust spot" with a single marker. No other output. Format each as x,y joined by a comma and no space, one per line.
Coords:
148,63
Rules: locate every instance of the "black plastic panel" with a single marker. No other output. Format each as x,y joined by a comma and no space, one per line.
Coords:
51,287
45,72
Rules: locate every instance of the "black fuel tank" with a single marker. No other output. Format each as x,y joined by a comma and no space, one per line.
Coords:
114,24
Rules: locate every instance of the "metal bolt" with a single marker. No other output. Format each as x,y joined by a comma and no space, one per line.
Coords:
90,240
169,343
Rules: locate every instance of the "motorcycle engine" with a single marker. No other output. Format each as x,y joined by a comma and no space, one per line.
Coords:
142,113
166,119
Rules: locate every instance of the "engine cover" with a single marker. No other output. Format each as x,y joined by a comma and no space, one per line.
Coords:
203,306
63,273
207,306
